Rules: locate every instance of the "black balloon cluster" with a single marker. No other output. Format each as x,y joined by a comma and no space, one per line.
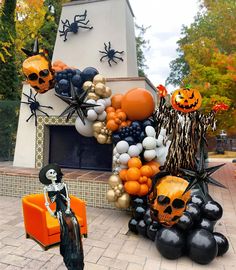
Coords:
193,234
77,78
133,134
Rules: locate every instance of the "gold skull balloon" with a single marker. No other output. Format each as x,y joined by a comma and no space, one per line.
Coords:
168,201
38,72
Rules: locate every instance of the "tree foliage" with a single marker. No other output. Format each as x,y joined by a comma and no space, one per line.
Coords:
207,57
8,72
141,46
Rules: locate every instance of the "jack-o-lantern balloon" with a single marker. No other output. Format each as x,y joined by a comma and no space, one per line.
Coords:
168,201
38,72
186,100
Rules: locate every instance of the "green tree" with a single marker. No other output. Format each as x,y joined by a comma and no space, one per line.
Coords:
141,45
8,73
207,57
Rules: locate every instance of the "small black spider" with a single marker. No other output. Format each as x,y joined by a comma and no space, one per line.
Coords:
74,27
34,106
110,54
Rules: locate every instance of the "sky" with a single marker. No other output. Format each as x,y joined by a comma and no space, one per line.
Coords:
166,18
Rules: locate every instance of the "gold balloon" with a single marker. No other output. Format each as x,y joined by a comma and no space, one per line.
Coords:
118,193
97,126
111,197
100,88
109,140
101,138
95,134
88,86
120,187
124,201
99,79
117,204
92,96
114,180
107,93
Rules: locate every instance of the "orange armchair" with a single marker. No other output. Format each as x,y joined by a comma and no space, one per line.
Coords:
44,228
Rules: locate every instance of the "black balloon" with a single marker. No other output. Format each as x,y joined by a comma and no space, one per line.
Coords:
141,227
147,215
146,123
212,210
133,225
139,212
222,242
130,140
77,80
197,199
185,222
194,211
202,247
206,224
152,231
139,201
88,74
116,138
170,242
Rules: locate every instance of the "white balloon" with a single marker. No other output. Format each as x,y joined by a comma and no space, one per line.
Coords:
114,159
163,132
91,101
117,155
102,116
100,108
122,147
85,130
149,143
134,151
91,115
124,158
101,101
114,151
150,131
149,155
140,147
108,101
160,140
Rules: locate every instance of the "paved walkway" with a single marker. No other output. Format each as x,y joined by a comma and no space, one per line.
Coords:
110,245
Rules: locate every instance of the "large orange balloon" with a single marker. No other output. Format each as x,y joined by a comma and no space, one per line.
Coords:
138,104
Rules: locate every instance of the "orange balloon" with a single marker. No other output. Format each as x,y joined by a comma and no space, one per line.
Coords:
143,190
123,174
155,166
110,109
133,174
132,187
149,182
111,124
116,101
111,115
135,162
143,179
146,171
121,116
138,104
123,124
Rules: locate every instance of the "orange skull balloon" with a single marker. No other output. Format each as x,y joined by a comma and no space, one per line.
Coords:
186,100
168,201
38,72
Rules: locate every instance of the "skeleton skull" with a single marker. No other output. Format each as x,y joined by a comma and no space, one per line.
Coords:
51,175
168,201
38,73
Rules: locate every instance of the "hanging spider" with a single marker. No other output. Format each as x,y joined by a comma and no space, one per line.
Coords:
110,54
34,106
79,22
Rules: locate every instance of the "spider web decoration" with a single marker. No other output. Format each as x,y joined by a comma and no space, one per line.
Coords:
76,104
201,175
79,22
34,106
111,54
186,129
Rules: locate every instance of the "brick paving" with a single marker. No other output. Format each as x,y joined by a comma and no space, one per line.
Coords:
109,244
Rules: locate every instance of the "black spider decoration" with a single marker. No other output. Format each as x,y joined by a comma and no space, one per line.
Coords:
76,104
201,175
34,106
79,22
110,54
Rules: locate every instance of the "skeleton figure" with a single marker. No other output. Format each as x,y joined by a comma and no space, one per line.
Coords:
70,246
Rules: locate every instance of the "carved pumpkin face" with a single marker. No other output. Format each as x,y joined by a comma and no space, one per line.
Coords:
186,100
38,72
167,202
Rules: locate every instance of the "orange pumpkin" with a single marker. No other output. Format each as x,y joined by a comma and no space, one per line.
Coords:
186,100
138,104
